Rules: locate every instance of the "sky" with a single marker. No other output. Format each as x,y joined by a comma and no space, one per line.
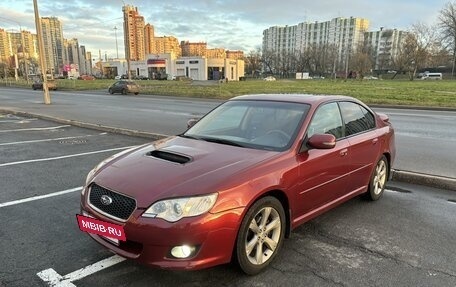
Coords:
228,24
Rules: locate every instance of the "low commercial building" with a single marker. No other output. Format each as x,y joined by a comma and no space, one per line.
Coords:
160,66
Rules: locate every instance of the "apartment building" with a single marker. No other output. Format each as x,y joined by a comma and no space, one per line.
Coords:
346,34
166,44
134,33
54,50
235,55
280,39
386,43
190,49
5,46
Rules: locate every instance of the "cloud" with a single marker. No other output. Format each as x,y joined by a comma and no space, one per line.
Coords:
231,24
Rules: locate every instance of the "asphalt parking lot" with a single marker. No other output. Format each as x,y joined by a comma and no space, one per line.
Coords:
405,239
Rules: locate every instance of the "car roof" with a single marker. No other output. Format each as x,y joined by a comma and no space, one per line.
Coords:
295,98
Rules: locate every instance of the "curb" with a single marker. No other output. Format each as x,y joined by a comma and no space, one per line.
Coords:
435,181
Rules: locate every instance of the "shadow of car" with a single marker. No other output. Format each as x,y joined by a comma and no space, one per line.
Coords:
124,87
38,85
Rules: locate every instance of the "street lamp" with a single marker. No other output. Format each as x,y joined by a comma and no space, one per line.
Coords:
39,34
117,47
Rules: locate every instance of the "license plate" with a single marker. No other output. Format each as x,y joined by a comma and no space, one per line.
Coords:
109,231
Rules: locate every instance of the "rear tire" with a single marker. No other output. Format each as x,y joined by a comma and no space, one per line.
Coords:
136,93
124,91
260,235
378,180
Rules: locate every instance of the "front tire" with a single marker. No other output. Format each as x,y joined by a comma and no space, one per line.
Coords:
378,179
261,235
111,91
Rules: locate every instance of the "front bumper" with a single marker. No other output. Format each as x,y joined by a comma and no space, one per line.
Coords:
150,240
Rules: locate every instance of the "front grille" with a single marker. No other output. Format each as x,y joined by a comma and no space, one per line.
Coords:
121,206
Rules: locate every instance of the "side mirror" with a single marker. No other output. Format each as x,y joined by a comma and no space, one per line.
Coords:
322,141
191,122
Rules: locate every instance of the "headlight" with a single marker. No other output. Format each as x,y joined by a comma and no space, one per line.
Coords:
174,209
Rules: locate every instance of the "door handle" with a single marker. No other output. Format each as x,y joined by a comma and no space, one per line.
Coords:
343,152
375,141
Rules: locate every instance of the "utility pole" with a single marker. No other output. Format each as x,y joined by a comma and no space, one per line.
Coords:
39,32
117,47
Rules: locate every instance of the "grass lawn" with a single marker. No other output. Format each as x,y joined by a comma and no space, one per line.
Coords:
390,92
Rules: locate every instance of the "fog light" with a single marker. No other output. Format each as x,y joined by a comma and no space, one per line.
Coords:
183,251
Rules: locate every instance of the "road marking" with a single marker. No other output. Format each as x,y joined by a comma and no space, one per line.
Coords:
48,140
34,129
54,279
63,157
19,121
19,201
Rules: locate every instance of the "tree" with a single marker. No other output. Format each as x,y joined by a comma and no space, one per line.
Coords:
417,49
447,19
253,62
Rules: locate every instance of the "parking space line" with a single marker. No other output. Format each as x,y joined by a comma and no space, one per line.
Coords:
34,129
19,201
54,279
63,157
20,121
48,140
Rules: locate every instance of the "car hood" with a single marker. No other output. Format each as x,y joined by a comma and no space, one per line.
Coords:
177,167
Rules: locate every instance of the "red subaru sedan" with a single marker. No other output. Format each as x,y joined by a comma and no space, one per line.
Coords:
238,181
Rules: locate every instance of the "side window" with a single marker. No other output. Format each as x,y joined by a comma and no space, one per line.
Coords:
356,118
326,120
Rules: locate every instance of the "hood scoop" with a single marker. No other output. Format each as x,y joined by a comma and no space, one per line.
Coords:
169,156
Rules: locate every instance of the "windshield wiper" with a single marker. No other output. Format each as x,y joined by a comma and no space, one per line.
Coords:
190,137
222,141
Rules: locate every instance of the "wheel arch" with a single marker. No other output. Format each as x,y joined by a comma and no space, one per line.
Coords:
283,198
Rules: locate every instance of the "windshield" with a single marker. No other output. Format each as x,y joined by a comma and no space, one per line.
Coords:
266,125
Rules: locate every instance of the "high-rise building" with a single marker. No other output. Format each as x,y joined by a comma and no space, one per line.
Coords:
149,34
346,34
134,31
166,44
54,50
280,39
386,44
5,46
193,49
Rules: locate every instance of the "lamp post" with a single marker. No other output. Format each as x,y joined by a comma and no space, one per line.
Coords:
39,32
117,47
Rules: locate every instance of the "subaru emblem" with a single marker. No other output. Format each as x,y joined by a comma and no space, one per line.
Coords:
106,200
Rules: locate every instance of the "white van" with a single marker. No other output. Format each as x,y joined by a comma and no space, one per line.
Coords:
431,76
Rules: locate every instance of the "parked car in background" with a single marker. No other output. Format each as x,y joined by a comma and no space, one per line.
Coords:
239,180
86,77
269,78
124,87
141,77
431,76
38,85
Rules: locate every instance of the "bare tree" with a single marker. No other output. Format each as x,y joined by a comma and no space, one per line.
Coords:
362,60
416,51
447,19
269,59
253,62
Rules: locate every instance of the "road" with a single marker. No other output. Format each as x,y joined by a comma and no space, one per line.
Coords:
426,140
404,239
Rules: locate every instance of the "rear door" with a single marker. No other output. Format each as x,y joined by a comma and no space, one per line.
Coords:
362,136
